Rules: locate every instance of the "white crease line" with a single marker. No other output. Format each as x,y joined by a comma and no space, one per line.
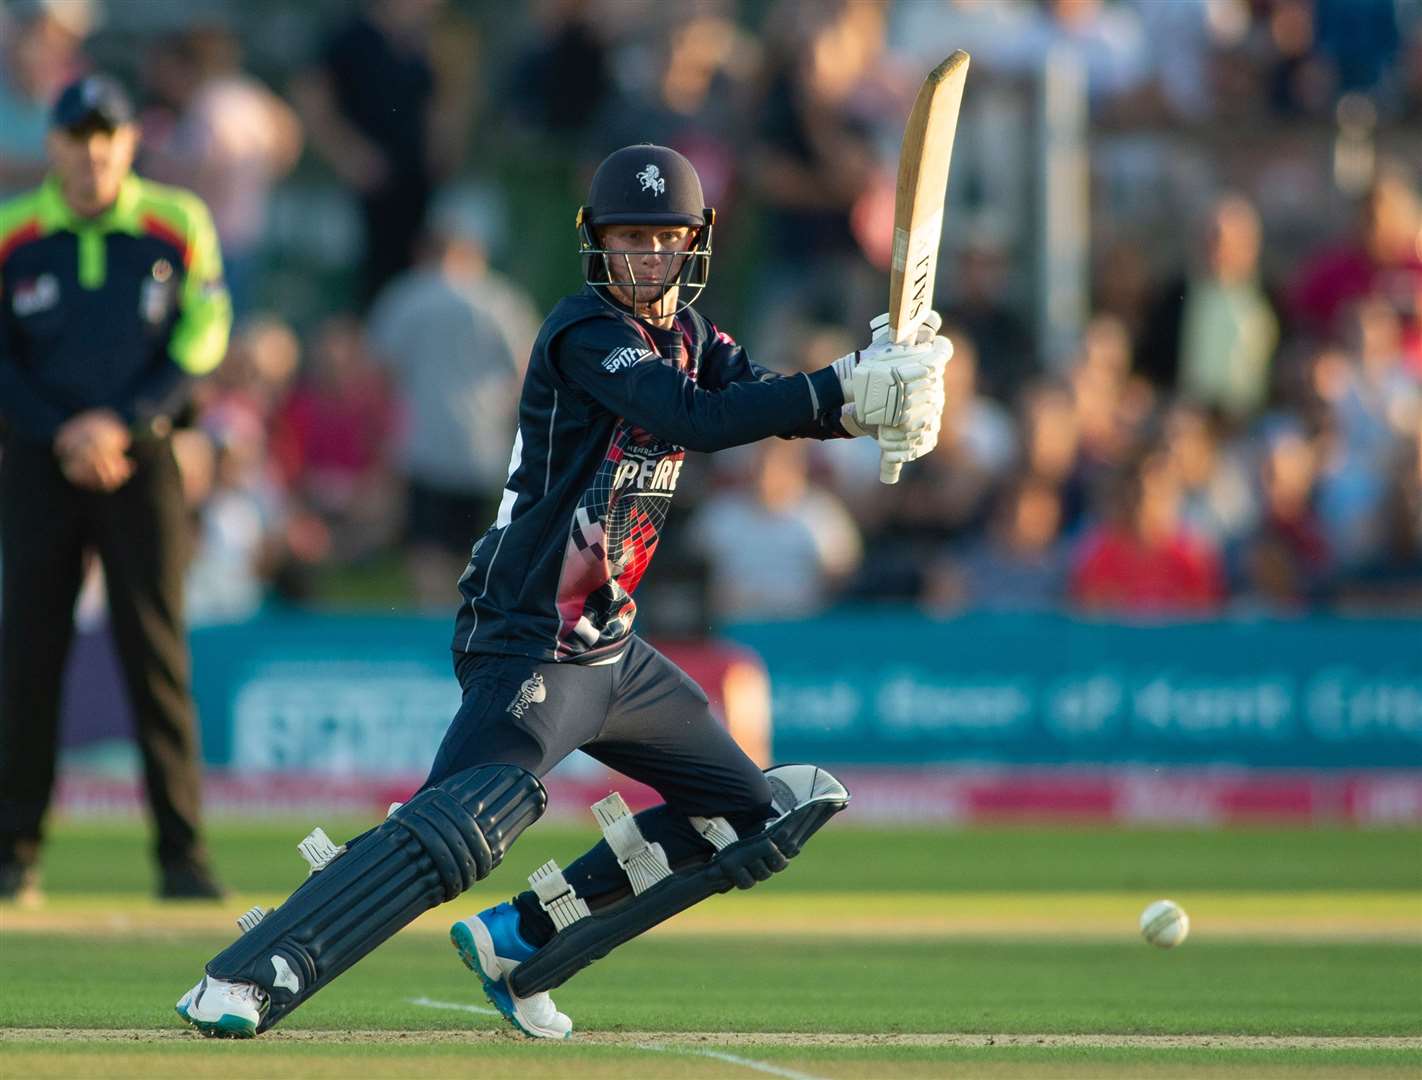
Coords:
453,1005
730,1059
748,1063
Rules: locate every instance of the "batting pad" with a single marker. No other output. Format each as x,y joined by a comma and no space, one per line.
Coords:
426,852
803,796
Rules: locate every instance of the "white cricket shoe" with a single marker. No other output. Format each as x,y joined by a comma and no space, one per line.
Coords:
484,943
223,1009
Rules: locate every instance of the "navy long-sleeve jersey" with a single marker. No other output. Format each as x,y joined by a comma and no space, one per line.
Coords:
610,405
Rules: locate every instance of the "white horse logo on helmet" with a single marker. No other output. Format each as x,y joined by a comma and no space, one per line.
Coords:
652,181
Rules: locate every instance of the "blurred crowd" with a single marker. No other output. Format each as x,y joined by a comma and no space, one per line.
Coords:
1236,427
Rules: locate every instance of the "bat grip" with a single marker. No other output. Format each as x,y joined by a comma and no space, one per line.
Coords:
889,471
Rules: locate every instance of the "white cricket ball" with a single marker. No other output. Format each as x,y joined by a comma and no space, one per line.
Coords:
1165,924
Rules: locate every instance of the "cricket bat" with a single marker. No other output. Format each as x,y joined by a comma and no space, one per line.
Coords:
918,203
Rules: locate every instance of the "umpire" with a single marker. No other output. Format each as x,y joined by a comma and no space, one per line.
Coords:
111,299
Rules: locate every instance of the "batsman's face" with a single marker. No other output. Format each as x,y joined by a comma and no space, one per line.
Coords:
647,258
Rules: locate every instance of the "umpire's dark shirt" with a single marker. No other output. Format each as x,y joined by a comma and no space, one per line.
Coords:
115,311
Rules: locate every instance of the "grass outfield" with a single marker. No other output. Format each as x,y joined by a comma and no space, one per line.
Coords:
992,952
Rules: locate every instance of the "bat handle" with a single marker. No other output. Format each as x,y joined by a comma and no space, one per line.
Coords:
889,471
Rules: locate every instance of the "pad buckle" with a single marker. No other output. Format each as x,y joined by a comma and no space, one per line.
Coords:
556,896
318,850
645,864
716,831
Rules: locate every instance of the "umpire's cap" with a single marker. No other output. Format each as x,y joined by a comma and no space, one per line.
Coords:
95,101
646,184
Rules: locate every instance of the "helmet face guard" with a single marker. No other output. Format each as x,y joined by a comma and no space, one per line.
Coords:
686,271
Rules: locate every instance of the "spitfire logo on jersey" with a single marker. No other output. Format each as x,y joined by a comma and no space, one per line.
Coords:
652,180
618,359
647,474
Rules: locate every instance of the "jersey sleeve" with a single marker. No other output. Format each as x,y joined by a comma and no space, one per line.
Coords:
725,363
613,366
199,338
22,404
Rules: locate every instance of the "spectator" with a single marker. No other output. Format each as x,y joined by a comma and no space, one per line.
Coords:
563,80
692,103
257,374
1392,580
982,308
780,549
1286,563
372,108
1112,406
238,546
1051,449
1021,564
1212,333
231,140
455,337
1361,40
1217,497
1352,449
814,158
1383,258
40,43
1141,560
332,442
1384,397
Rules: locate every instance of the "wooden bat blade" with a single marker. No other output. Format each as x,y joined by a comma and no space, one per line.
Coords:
922,187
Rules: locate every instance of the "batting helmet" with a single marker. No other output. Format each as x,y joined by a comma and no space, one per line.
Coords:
647,185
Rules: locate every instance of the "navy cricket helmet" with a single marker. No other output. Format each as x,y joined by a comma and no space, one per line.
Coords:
646,184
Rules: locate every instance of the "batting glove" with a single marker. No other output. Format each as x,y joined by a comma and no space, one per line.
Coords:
927,330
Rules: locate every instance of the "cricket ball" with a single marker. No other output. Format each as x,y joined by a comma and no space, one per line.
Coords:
1165,924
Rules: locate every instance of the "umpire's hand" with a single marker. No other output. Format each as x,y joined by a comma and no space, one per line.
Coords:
92,450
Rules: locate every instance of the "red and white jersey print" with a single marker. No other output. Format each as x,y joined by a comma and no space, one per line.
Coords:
613,538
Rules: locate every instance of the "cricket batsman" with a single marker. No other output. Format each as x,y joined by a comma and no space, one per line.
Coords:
624,378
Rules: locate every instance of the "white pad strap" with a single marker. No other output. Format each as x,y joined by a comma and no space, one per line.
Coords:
318,850
716,831
645,864
249,919
556,896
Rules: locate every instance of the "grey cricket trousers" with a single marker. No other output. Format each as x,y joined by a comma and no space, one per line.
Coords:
641,716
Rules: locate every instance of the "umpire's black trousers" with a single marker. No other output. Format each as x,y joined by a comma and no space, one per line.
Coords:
140,533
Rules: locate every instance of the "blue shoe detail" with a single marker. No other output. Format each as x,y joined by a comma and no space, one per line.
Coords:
495,989
485,943
502,923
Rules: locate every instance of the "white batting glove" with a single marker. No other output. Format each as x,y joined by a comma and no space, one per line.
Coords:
899,445
927,330
918,427
888,383
883,385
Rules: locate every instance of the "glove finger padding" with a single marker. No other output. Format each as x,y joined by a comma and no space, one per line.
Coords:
901,444
879,391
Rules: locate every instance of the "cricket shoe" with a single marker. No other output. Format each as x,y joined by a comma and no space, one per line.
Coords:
221,1009
491,947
